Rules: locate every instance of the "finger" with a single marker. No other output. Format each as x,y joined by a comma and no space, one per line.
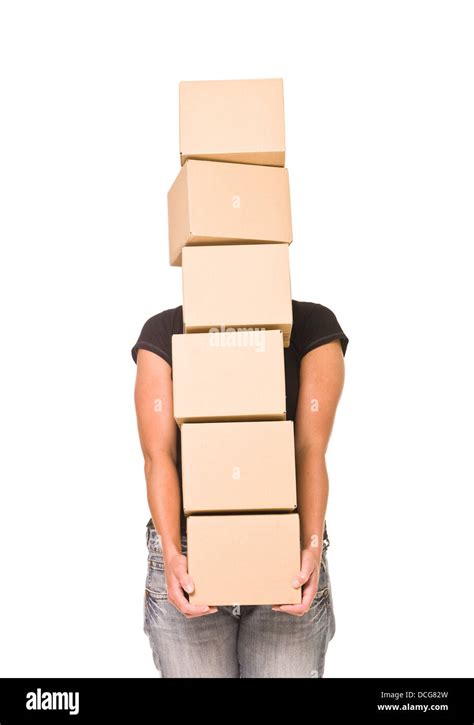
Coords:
178,600
212,610
191,612
185,581
296,609
309,592
308,565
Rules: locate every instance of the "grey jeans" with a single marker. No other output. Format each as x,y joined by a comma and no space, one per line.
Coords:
250,641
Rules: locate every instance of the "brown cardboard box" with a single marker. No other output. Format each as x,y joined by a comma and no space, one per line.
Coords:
238,120
241,467
238,285
244,559
219,203
228,376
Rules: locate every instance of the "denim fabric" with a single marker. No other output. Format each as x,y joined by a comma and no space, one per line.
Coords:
250,641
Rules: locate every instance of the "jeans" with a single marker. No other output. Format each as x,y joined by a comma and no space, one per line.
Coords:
246,641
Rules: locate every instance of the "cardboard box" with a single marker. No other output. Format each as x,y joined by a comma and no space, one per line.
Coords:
239,120
221,203
228,376
244,559
241,285
244,467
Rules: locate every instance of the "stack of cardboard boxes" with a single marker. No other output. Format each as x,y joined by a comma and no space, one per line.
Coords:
230,227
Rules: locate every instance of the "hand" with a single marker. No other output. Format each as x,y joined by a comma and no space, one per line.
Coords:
177,580
307,578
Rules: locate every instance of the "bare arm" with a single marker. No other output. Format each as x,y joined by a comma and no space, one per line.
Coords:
321,384
157,432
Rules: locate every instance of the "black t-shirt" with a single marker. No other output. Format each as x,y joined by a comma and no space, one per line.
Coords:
313,325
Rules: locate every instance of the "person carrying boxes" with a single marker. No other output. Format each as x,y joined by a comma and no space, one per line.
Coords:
236,394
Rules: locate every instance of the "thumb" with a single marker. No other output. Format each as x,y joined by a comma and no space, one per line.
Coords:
308,565
185,581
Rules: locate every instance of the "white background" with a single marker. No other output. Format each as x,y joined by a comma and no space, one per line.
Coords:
379,122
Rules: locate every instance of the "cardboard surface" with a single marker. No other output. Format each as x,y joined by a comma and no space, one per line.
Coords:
237,286
228,376
222,203
238,120
244,559
238,467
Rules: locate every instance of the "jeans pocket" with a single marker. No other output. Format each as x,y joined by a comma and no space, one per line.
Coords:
155,583
155,595
153,542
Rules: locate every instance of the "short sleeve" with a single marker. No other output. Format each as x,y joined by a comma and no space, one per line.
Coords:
155,336
320,326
